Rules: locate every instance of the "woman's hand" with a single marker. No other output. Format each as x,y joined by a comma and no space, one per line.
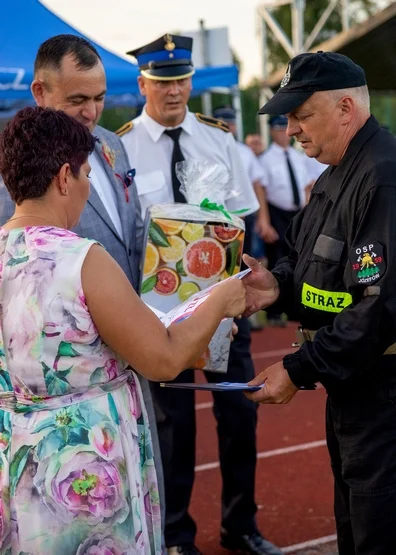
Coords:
233,295
133,331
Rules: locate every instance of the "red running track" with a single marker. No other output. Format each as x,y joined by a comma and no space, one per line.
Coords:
293,480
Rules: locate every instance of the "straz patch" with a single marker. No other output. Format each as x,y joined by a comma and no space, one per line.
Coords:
368,263
328,301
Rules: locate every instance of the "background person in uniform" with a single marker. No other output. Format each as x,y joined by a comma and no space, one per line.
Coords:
315,170
255,143
339,282
258,222
165,133
69,75
258,226
285,179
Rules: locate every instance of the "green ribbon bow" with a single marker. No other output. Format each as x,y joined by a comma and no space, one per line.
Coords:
207,205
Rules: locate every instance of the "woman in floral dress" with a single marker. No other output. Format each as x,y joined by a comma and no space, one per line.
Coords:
77,474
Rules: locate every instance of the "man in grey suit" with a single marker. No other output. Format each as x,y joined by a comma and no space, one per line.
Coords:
69,76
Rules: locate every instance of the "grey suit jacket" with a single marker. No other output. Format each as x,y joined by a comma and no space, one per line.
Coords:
95,223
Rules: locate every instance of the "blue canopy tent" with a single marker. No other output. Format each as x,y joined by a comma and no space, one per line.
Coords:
25,24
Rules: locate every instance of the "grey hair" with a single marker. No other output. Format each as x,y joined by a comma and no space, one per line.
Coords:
359,94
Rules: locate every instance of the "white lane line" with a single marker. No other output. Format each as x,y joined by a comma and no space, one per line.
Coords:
268,454
201,406
308,544
291,449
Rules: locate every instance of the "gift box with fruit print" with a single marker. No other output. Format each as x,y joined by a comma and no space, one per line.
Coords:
189,247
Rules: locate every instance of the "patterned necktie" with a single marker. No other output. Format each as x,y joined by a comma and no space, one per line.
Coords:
296,194
177,156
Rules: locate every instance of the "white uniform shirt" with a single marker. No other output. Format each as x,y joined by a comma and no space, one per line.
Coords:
252,166
277,177
104,188
315,168
152,151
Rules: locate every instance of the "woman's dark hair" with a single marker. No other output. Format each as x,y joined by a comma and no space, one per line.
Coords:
34,146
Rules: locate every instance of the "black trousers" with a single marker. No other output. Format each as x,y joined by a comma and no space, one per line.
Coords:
250,222
236,427
280,220
361,437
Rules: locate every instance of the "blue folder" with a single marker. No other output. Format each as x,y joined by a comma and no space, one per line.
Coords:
221,386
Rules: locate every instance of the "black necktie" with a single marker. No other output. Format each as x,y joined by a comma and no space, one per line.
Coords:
296,194
177,156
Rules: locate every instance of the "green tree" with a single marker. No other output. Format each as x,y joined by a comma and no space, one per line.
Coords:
313,10
382,107
250,98
218,99
113,118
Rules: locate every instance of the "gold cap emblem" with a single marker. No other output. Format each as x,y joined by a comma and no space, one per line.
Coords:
169,44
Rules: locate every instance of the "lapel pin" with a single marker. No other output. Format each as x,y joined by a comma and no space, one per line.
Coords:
127,182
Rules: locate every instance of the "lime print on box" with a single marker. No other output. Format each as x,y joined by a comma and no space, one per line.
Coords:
184,257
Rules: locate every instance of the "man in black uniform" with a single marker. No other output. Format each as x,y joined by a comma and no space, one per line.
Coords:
339,282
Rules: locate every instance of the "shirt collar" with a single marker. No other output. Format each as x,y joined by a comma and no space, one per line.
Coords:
339,172
156,130
279,149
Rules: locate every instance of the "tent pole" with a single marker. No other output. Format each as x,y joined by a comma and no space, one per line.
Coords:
206,96
345,15
263,97
237,105
207,103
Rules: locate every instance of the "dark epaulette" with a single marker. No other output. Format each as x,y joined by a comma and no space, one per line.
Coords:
208,120
124,129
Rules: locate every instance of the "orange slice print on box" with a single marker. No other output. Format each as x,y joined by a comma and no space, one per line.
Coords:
151,260
224,234
170,227
167,281
204,259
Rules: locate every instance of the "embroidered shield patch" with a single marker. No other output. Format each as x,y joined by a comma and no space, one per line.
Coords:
368,263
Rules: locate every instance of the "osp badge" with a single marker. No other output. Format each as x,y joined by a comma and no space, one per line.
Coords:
368,263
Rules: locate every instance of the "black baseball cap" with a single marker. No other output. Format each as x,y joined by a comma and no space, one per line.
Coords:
312,72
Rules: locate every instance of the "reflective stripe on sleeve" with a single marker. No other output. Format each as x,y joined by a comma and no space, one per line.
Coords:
329,301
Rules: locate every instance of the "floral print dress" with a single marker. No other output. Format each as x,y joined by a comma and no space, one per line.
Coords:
77,474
